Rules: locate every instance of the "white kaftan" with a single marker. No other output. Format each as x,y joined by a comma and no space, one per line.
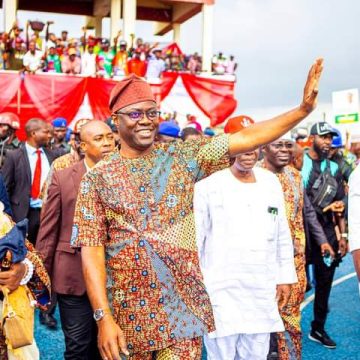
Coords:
245,250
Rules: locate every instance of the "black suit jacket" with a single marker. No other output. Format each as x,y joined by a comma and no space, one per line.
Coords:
17,177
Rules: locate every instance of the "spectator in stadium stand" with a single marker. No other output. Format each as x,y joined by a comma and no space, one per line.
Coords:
190,133
104,59
88,60
231,66
14,33
156,65
60,127
37,27
194,64
71,64
168,131
60,48
219,63
136,65
32,60
52,60
64,37
120,60
9,123
15,55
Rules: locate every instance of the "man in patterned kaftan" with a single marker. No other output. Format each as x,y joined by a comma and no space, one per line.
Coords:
134,221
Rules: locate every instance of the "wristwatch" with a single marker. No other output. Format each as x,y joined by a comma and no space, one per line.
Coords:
99,314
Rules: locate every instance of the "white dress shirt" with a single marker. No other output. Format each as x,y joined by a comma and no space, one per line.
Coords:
45,168
245,250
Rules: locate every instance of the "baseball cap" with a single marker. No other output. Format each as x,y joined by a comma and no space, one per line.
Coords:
322,128
238,123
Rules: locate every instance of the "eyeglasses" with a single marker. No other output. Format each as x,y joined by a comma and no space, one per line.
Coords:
279,146
139,115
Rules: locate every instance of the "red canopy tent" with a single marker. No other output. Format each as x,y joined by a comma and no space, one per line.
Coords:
50,96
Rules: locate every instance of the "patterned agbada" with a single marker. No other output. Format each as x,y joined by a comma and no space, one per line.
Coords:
289,342
141,210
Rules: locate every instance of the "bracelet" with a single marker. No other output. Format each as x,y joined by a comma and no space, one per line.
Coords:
344,235
29,271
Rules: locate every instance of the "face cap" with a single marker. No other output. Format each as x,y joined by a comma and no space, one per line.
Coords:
322,128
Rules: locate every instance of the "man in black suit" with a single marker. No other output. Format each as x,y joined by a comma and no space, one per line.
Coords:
24,171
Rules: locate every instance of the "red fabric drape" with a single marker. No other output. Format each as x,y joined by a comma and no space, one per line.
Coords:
214,97
173,49
162,89
55,96
50,96
9,85
98,91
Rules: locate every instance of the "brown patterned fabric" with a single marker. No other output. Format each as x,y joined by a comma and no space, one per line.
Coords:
141,211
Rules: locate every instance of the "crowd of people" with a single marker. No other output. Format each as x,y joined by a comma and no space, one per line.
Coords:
93,56
155,238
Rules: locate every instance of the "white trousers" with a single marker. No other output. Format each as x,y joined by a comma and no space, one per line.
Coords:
238,347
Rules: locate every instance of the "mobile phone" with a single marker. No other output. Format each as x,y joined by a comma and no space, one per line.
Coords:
327,259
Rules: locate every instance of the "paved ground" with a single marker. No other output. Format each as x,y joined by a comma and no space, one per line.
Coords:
343,324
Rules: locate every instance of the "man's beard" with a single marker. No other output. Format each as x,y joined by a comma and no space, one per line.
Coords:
321,153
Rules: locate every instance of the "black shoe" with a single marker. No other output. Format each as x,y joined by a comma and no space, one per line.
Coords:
320,336
48,320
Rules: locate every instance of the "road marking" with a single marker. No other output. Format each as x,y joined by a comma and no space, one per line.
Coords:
308,300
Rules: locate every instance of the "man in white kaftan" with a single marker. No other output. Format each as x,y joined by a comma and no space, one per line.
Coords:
245,251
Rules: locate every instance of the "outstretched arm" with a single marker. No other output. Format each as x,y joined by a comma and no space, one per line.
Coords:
267,131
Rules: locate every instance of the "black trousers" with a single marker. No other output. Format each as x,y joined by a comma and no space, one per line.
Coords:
79,328
34,224
323,277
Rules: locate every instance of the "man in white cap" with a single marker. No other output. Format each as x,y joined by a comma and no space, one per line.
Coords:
156,65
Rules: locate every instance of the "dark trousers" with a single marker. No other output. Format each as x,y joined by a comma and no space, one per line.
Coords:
79,328
323,278
34,224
